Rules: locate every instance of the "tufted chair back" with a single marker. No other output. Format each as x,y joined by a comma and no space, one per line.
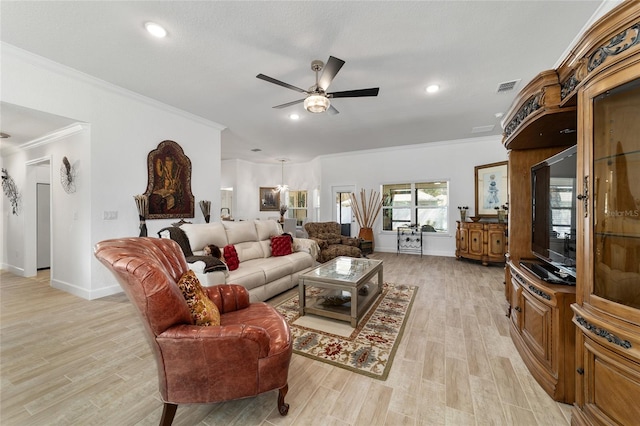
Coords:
314,229
332,244
247,354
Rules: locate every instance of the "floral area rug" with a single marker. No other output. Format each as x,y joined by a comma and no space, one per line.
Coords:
370,348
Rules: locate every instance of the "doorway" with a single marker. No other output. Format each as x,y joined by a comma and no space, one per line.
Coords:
43,226
343,212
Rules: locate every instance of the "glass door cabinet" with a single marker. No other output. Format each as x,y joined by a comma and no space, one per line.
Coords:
607,312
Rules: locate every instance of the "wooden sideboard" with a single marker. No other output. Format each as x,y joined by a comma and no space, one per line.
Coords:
484,241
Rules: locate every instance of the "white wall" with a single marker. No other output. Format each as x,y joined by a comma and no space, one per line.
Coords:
248,177
124,127
449,160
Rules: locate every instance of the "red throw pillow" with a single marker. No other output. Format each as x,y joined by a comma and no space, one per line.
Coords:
281,245
231,257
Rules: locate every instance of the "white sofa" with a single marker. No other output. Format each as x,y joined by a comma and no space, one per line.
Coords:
259,272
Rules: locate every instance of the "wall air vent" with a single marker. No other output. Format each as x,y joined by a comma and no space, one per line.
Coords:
507,86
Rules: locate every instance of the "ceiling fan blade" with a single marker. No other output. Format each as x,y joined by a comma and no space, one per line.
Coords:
355,93
329,71
288,104
332,110
279,83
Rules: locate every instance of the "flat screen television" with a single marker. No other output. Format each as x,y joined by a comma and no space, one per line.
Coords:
553,185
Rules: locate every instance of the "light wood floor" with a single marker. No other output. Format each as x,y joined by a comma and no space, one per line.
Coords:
65,360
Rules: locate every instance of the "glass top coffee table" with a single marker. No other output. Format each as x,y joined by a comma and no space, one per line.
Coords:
341,288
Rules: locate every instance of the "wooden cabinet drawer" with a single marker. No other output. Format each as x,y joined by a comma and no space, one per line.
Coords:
611,385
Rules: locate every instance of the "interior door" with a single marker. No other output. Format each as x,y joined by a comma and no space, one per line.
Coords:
43,223
343,211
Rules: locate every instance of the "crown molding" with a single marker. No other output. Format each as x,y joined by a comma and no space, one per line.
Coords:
42,62
55,136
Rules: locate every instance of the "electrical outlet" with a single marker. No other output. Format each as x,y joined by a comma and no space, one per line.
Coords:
109,215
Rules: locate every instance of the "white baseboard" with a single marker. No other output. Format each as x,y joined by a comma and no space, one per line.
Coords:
84,293
13,269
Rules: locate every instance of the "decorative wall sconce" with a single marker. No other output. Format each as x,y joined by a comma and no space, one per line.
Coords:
10,189
205,206
67,176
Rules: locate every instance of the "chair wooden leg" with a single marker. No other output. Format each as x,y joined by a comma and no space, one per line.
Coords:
283,407
168,413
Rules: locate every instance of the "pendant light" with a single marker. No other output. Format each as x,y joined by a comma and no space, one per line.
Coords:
282,187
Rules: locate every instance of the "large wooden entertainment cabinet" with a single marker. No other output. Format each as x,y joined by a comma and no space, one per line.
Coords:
582,343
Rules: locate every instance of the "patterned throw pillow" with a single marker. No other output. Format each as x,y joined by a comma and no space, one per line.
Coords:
231,257
203,310
281,245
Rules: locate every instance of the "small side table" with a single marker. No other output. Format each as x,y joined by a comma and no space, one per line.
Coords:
366,247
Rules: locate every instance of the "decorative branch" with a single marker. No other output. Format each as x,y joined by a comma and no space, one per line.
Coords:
142,202
205,206
367,209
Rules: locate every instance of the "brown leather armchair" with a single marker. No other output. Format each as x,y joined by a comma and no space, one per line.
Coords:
332,244
246,355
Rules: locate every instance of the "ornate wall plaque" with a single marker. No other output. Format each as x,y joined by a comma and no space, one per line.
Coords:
169,182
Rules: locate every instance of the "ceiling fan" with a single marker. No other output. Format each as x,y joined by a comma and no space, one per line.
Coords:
317,97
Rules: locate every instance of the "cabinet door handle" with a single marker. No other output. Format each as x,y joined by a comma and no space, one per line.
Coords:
517,308
585,197
580,371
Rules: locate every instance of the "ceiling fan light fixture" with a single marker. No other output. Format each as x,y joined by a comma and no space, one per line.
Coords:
316,103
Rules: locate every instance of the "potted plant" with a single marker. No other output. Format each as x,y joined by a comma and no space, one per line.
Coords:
463,213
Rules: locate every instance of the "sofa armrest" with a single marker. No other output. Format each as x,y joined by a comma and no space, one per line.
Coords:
228,297
321,243
351,241
211,339
307,245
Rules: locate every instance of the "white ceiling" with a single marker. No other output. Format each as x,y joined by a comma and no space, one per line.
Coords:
208,63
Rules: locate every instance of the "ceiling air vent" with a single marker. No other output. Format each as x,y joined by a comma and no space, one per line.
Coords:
482,129
507,86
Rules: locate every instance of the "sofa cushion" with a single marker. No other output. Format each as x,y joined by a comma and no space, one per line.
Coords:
202,234
240,232
267,229
249,251
203,310
281,245
250,275
231,257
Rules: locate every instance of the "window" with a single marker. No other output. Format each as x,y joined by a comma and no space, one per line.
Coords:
562,204
424,203
297,206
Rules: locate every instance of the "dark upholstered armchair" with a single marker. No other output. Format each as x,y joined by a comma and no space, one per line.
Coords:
332,244
246,355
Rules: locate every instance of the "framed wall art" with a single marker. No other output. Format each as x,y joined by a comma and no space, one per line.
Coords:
269,199
169,182
492,188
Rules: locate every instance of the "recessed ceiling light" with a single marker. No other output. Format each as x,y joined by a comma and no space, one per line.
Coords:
294,116
499,114
433,88
155,29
